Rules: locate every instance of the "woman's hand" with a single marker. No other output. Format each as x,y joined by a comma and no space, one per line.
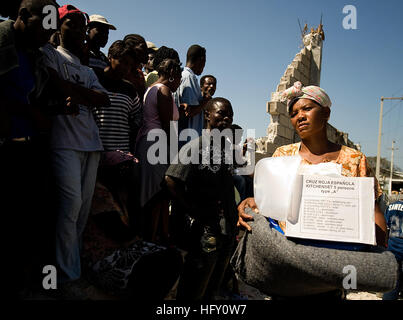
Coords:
242,216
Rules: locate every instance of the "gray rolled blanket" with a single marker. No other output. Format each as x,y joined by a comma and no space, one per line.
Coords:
268,261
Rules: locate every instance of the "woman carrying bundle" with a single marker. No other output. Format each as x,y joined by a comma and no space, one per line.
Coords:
294,267
309,111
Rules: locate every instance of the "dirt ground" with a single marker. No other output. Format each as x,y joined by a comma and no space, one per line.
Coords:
254,294
246,291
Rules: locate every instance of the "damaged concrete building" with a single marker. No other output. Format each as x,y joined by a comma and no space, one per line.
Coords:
305,67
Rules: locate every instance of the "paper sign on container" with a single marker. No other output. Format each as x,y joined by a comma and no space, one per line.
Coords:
315,200
333,208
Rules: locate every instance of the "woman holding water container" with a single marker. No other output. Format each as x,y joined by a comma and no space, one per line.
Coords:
309,111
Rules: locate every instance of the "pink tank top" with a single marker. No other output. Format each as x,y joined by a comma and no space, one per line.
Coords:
151,118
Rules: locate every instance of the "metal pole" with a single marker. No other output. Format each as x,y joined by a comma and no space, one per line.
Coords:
391,169
378,156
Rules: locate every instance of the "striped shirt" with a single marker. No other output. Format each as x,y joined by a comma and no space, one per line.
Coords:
118,122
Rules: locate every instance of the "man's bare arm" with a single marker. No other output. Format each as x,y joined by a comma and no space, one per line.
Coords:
192,110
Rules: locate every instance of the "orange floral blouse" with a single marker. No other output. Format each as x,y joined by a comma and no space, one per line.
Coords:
354,163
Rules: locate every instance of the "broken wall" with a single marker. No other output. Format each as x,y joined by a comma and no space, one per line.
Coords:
306,68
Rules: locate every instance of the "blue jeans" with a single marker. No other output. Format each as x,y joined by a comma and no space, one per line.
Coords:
75,175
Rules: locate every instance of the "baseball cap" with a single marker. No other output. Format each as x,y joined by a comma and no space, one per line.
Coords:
100,19
67,9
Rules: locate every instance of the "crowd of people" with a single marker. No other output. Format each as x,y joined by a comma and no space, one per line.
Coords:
81,190
75,147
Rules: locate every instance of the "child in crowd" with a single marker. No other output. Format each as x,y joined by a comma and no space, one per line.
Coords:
205,192
75,143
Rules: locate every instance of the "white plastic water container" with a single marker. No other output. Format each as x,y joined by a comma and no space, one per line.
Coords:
277,184
273,184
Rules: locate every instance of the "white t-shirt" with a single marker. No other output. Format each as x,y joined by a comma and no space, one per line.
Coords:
78,133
